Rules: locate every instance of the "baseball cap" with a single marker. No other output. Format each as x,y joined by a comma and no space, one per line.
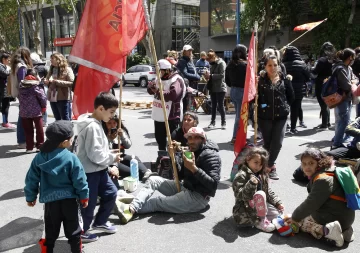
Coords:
164,64
56,133
187,47
35,58
196,131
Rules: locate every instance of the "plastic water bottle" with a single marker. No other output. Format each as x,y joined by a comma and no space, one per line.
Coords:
134,168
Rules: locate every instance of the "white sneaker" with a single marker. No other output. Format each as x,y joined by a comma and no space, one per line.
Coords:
348,235
265,225
335,233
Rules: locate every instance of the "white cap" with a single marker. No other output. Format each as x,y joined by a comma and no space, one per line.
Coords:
35,58
187,47
164,64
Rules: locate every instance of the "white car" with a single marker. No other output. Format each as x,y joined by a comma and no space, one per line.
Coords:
139,75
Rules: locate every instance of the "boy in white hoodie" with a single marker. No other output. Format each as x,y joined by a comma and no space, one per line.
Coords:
93,151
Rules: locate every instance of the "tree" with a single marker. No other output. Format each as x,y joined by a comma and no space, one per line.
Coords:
221,12
9,25
146,40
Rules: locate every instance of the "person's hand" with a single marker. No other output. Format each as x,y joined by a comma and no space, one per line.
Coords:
114,172
46,82
120,132
51,79
190,163
118,158
172,148
112,136
280,207
32,203
254,180
291,221
85,203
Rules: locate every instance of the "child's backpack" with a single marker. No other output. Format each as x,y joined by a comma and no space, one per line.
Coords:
237,161
349,183
331,93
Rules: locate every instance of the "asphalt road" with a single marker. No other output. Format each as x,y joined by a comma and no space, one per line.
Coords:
213,230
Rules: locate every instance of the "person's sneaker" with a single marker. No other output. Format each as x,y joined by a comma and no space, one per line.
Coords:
273,175
223,125
88,237
29,151
8,125
288,127
124,197
232,142
293,131
348,235
260,203
335,233
21,146
212,124
107,228
321,127
148,174
123,211
265,225
302,124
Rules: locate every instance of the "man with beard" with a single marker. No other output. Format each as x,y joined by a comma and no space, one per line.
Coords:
201,177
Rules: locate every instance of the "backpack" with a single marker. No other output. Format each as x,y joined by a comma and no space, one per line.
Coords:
349,183
164,165
331,93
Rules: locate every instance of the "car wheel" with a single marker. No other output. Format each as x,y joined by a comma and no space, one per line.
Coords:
143,82
137,84
123,83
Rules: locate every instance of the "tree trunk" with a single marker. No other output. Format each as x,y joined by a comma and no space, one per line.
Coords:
220,20
265,25
146,43
37,39
350,24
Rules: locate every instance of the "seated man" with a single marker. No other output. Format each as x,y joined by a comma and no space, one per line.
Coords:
351,151
201,178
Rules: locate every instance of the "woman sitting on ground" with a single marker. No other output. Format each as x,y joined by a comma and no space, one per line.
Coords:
112,132
190,120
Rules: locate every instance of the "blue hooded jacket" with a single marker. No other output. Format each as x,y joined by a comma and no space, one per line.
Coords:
60,174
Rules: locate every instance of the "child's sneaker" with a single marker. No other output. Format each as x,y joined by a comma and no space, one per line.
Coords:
335,233
348,235
107,228
265,225
123,211
260,203
88,237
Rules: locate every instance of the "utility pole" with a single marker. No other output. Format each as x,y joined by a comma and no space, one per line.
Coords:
238,17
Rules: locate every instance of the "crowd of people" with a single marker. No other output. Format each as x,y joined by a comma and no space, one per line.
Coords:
95,162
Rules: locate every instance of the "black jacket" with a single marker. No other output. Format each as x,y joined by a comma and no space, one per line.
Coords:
323,69
297,68
274,100
4,73
187,69
206,179
41,69
235,74
178,135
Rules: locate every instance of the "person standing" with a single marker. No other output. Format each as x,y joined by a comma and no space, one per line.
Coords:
300,73
186,67
323,70
20,62
202,65
5,98
275,96
60,80
345,77
174,91
217,87
235,74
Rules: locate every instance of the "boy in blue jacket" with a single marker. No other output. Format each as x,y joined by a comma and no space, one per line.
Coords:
62,185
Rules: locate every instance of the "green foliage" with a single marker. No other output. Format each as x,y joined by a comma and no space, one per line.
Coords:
221,12
136,59
9,25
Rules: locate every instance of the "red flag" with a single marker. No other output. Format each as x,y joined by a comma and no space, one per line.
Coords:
249,94
308,26
108,31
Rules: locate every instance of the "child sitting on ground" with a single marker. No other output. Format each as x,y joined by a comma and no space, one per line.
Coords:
323,213
255,203
62,184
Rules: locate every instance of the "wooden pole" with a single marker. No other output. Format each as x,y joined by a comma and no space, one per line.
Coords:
256,85
120,109
153,52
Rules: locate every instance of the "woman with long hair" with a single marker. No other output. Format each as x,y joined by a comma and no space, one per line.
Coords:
20,63
235,74
275,97
60,80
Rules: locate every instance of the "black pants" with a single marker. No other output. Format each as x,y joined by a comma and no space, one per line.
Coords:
301,115
344,152
124,167
217,102
295,111
273,132
160,132
5,105
325,111
64,211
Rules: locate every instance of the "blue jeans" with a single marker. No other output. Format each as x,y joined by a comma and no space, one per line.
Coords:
20,133
61,109
100,184
236,96
342,120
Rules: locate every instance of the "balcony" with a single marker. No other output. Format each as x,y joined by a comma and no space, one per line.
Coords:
186,20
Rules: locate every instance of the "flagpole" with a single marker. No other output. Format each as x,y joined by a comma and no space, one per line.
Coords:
282,49
256,85
120,109
153,52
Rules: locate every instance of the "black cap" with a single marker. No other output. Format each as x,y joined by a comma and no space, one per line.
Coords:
56,133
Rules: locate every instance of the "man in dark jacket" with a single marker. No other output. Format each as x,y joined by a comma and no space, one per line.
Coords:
201,178
300,73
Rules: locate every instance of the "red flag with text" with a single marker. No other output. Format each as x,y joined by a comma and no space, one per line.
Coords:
108,31
249,94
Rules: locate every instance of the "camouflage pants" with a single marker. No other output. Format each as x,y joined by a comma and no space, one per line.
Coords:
309,225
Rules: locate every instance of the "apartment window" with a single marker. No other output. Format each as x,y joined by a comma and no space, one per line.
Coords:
67,26
185,15
49,34
222,16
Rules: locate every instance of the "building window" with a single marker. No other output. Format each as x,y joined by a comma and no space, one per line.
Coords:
222,16
67,26
49,34
185,15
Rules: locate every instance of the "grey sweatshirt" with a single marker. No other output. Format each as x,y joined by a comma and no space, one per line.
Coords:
93,146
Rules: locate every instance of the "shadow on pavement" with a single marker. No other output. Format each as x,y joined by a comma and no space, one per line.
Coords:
318,144
149,136
19,193
229,231
21,232
303,133
226,146
4,151
60,246
303,184
154,143
223,185
304,240
169,218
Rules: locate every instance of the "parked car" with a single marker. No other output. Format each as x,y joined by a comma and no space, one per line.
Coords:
139,75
